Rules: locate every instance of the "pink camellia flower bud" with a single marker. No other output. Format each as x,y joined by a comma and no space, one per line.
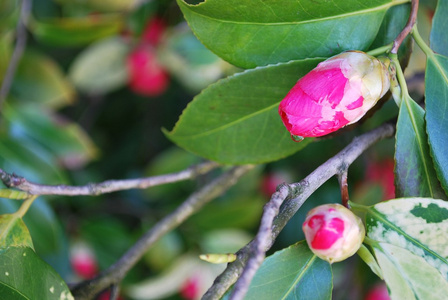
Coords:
338,92
333,232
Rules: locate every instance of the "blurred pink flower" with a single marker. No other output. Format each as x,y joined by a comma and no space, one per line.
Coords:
191,288
154,30
382,172
146,75
378,292
83,261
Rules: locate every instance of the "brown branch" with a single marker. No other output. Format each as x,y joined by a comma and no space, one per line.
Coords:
407,29
342,177
260,244
18,50
294,195
113,275
18,182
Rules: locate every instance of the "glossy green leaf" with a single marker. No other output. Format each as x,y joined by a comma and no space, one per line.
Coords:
393,23
13,232
436,93
45,229
439,42
414,168
256,33
40,79
416,224
24,275
292,273
409,276
76,31
101,67
236,120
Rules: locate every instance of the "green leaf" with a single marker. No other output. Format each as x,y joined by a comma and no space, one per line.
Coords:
46,232
191,62
436,94
101,67
439,42
103,5
393,23
292,273
414,169
238,212
236,121
409,276
24,275
17,155
5,53
109,238
67,141
44,227
416,224
40,79
9,12
368,258
13,232
76,31
256,33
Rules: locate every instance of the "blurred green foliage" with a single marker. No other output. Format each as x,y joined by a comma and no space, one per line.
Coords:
71,118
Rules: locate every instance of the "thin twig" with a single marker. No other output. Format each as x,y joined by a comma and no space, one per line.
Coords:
260,244
407,29
114,292
296,196
18,50
113,275
342,177
18,182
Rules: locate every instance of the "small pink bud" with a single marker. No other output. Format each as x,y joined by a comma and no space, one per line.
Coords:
338,92
333,232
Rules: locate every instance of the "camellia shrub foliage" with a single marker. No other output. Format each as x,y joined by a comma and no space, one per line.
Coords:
166,149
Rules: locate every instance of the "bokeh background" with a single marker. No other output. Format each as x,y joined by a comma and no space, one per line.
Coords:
97,82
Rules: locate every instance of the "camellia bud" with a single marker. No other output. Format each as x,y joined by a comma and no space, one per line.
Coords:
338,92
333,232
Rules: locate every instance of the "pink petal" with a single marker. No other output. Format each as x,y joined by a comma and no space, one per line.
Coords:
328,234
